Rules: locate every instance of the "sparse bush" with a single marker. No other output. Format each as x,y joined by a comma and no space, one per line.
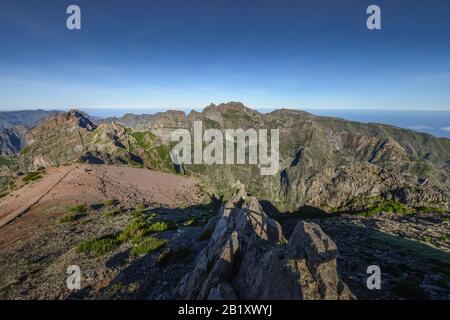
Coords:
136,233
110,202
112,214
386,206
149,244
32,176
429,210
71,217
4,194
194,221
161,226
78,209
426,239
100,246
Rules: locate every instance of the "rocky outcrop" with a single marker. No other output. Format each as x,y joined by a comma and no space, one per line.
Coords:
57,141
73,137
247,257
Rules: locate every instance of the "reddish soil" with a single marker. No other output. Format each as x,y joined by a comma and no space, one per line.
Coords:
39,203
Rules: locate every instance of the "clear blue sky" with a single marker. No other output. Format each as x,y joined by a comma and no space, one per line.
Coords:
188,53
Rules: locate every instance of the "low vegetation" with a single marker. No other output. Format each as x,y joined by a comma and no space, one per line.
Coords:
113,213
71,217
4,194
429,210
139,233
100,246
110,203
386,206
147,245
78,208
32,176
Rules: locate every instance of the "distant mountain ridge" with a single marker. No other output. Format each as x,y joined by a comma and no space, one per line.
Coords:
325,162
26,118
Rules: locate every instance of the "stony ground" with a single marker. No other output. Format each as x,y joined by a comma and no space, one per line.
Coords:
91,202
412,251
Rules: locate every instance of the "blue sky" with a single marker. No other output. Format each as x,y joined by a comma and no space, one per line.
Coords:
186,54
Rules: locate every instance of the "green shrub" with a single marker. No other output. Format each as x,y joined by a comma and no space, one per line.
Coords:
138,229
194,221
161,226
32,176
149,244
78,209
112,214
386,206
71,217
429,210
4,194
426,239
100,246
110,202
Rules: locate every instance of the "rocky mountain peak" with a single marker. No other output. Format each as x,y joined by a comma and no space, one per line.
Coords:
79,118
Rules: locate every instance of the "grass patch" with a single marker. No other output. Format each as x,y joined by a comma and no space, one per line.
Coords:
147,245
32,176
138,233
161,226
100,246
429,210
78,209
386,206
113,213
110,202
4,194
139,229
71,217
426,239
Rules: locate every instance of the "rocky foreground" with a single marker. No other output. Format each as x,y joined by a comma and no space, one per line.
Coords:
136,247
248,258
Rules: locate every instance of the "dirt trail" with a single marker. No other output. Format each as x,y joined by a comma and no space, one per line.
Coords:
89,184
21,201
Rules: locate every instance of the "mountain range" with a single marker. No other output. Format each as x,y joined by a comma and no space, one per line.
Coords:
328,163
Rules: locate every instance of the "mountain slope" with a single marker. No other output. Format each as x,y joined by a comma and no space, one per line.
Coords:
12,139
330,163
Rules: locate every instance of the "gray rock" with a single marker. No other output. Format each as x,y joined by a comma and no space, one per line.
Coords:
247,257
